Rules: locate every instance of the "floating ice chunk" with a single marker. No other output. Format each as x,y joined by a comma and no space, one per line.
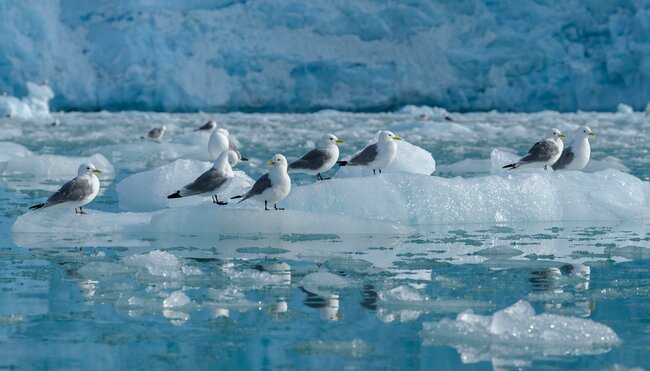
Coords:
210,218
517,331
101,270
9,150
176,299
402,293
412,199
148,191
324,283
409,158
53,166
624,108
157,263
66,222
36,103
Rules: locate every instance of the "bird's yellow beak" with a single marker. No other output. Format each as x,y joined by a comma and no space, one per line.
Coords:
97,171
339,141
269,162
562,136
397,138
592,134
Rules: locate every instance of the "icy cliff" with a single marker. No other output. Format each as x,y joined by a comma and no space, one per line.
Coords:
294,55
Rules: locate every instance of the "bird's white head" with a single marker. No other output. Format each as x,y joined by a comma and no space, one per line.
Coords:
556,133
87,169
585,132
329,140
163,128
212,124
278,161
387,136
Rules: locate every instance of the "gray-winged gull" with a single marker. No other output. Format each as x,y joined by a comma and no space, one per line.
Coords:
272,186
215,180
377,155
318,160
543,153
77,192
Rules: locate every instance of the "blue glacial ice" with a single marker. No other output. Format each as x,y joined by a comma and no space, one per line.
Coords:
291,55
34,104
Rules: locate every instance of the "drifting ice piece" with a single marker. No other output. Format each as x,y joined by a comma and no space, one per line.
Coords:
148,191
9,150
209,218
53,166
412,199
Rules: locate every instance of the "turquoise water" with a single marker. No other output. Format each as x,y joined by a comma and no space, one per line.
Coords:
297,301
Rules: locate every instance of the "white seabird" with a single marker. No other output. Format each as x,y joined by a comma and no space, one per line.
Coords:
77,192
377,155
215,180
576,156
220,141
318,160
272,186
543,153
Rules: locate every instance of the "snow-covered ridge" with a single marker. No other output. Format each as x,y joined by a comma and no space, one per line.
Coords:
294,55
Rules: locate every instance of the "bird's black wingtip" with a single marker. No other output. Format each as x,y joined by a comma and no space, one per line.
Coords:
34,207
244,159
342,163
510,166
175,195
235,197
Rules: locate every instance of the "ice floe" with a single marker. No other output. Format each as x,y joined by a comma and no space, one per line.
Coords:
518,331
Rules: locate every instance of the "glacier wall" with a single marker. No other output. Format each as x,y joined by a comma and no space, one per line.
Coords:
291,55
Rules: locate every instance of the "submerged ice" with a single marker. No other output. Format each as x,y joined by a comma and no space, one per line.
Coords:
518,332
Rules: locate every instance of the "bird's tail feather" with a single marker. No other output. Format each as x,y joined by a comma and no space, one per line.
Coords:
177,194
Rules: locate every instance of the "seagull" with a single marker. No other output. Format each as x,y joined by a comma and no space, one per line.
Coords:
77,192
210,125
576,156
377,155
155,133
272,186
215,180
318,160
544,153
56,122
220,141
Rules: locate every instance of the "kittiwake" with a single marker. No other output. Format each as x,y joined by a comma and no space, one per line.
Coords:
215,180
272,186
77,192
377,155
543,153
318,160
576,156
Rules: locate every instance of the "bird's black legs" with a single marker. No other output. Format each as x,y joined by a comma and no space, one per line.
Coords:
275,206
374,172
379,171
216,201
545,167
81,211
320,177
266,207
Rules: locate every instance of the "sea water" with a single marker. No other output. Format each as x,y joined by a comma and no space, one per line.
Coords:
378,287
